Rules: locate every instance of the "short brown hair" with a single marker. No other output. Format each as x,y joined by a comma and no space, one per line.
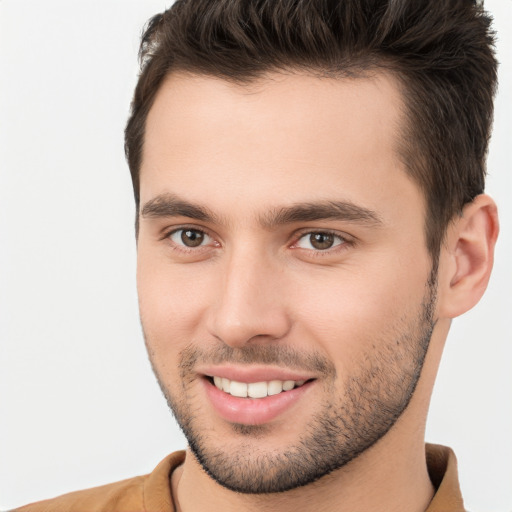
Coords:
442,52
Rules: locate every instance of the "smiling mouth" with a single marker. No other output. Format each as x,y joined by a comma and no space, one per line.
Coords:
255,389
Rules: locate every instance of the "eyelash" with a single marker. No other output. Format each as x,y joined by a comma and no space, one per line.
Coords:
345,241
184,248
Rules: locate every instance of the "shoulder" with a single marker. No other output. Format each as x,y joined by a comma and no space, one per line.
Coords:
145,493
111,497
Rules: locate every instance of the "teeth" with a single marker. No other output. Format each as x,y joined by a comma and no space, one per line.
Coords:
275,387
288,384
239,389
255,389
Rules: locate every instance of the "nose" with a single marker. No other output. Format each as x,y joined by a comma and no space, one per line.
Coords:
251,302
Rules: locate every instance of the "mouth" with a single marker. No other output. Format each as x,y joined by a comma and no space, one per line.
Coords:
254,389
255,397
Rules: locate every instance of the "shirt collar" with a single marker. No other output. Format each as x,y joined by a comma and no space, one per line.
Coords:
442,469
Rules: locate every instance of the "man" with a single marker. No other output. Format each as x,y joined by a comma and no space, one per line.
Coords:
310,217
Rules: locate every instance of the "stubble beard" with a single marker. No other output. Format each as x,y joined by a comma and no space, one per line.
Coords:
374,397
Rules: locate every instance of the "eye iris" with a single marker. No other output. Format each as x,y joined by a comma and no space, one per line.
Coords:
192,238
321,241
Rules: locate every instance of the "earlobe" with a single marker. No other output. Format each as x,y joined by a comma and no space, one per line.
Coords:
469,255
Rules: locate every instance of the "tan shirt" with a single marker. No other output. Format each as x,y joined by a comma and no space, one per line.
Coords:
152,493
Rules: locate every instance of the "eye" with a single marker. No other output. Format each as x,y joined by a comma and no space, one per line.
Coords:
188,237
319,241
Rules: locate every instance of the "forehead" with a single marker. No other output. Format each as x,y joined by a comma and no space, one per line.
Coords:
286,137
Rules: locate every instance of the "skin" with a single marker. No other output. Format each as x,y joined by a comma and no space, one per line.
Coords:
255,283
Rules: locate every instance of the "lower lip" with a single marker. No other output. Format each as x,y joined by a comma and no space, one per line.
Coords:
253,411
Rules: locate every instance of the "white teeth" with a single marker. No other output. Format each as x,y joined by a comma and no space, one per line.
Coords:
255,389
288,384
239,389
275,387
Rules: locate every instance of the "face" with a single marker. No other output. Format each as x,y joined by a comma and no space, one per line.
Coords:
285,288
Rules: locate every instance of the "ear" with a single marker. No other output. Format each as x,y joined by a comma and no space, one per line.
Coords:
467,257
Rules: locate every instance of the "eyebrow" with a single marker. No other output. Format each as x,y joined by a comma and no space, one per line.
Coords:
170,205
323,210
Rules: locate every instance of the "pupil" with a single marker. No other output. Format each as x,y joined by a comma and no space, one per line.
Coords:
192,238
321,241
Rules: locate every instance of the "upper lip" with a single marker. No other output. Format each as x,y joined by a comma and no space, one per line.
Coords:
254,373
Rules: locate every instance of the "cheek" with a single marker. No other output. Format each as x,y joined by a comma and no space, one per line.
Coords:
349,314
171,300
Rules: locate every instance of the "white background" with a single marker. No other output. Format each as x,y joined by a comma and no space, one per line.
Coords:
79,405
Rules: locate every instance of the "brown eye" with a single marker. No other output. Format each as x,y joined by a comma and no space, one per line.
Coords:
192,238
319,241
189,237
